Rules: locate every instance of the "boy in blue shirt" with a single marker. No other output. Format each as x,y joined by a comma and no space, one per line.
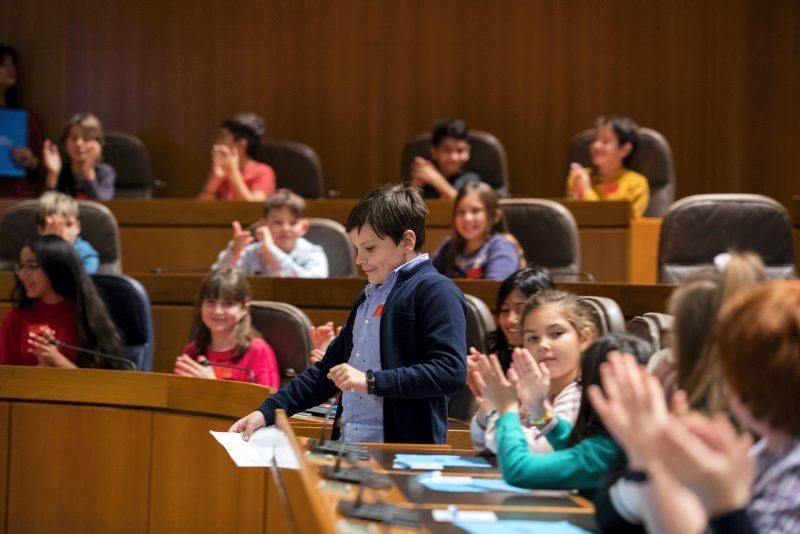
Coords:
444,174
402,351
57,214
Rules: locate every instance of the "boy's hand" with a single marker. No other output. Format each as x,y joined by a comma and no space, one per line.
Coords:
249,424
484,406
241,238
225,160
348,378
424,172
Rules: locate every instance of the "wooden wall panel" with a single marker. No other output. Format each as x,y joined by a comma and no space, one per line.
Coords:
232,498
355,78
115,444
5,438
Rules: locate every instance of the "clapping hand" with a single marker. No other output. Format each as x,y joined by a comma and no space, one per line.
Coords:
484,406
494,386
581,181
532,381
241,238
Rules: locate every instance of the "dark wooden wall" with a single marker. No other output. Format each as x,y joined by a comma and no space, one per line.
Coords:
355,78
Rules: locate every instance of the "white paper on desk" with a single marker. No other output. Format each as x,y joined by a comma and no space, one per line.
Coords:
264,445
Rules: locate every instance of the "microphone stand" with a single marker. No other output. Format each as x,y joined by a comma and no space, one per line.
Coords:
323,446
124,361
251,375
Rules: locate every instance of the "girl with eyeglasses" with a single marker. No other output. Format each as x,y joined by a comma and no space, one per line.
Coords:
55,300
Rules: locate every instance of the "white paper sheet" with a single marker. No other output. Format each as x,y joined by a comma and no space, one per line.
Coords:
264,445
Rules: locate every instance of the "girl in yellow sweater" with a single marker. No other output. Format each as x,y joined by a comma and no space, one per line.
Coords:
608,178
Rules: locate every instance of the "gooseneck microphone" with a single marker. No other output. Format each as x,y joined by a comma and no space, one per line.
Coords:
251,375
124,361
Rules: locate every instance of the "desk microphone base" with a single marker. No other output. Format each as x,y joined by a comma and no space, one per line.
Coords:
337,448
356,475
388,514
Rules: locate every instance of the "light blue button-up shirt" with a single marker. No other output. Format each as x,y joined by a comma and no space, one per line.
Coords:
362,414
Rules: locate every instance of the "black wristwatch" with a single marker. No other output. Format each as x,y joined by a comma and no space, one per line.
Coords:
370,382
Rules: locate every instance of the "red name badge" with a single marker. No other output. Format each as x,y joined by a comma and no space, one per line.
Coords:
378,311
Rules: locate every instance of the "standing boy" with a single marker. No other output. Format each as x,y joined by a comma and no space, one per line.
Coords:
401,353
450,150
281,249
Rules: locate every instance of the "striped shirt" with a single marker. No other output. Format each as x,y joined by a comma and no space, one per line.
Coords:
775,500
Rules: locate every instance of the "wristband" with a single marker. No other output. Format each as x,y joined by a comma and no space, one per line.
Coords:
635,476
542,421
488,417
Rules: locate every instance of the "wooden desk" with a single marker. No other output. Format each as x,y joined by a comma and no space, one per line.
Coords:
179,235
321,497
88,450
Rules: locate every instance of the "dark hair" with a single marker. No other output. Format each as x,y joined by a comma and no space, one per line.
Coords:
528,281
64,269
624,128
496,224
588,423
248,126
391,210
454,128
230,284
285,198
12,93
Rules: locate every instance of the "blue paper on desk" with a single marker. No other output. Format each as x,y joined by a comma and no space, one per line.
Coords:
462,484
13,133
514,526
437,461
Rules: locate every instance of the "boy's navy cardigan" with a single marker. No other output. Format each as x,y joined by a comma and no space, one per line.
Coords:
423,359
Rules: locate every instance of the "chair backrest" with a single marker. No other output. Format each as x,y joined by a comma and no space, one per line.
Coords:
98,227
330,235
129,307
480,322
655,328
131,160
546,231
296,166
487,158
285,328
697,228
652,158
606,314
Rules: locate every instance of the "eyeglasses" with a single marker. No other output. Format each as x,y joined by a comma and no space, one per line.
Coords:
26,267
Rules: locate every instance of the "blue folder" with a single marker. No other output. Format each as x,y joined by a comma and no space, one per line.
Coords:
13,133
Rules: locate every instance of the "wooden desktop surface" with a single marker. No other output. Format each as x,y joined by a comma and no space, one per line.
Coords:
407,491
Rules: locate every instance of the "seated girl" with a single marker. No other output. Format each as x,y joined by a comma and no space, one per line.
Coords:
608,178
583,451
480,246
235,175
54,299
511,298
83,175
224,343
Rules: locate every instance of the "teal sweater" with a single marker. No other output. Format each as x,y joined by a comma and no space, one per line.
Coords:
581,466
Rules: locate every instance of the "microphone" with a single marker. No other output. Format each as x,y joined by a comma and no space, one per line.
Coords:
251,375
124,361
